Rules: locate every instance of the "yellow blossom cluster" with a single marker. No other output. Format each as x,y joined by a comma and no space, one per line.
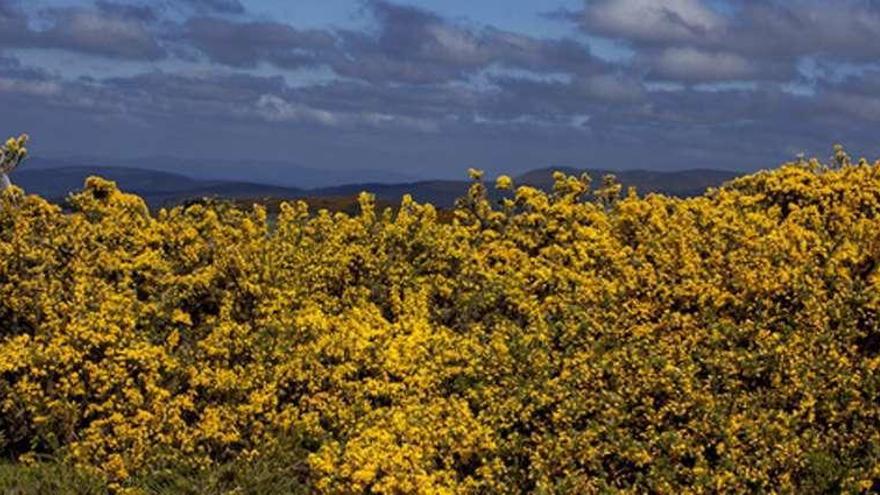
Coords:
13,152
574,341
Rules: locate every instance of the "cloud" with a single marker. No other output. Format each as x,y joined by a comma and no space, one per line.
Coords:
855,97
29,88
652,20
555,55
277,109
217,6
12,67
865,83
411,45
111,33
511,123
415,46
13,24
110,30
805,27
189,90
416,86
241,97
854,105
21,80
696,41
612,88
143,13
557,102
694,65
245,44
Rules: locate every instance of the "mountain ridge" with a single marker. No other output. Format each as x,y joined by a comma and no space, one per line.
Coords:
162,188
276,172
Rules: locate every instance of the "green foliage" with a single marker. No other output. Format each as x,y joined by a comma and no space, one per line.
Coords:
282,472
283,469
49,478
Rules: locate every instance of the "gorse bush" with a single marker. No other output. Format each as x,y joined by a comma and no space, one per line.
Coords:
11,155
577,341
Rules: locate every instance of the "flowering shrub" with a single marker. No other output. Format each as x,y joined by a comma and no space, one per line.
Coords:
578,341
11,155
13,152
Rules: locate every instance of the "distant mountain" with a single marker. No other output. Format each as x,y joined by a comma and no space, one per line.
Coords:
161,188
281,173
55,182
157,188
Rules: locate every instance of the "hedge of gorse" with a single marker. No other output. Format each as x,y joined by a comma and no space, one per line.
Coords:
586,340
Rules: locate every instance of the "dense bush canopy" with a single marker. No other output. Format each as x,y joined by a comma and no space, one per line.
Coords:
579,341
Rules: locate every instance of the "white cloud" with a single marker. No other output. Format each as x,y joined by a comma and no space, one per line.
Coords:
29,88
653,20
276,109
457,45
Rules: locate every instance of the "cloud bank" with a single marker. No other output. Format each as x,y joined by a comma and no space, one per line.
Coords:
685,83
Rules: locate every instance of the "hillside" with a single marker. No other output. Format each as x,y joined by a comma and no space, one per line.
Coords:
160,188
156,187
288,173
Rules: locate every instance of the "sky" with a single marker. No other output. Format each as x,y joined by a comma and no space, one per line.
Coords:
428,88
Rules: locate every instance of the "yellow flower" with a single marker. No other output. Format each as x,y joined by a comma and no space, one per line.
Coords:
558,341
503,182
475,174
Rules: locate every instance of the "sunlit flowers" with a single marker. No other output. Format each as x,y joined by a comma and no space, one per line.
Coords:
573,341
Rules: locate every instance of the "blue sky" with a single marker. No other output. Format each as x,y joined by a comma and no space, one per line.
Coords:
427,88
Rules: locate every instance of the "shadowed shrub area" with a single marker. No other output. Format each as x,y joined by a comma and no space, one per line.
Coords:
48,478
278,471
584,340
